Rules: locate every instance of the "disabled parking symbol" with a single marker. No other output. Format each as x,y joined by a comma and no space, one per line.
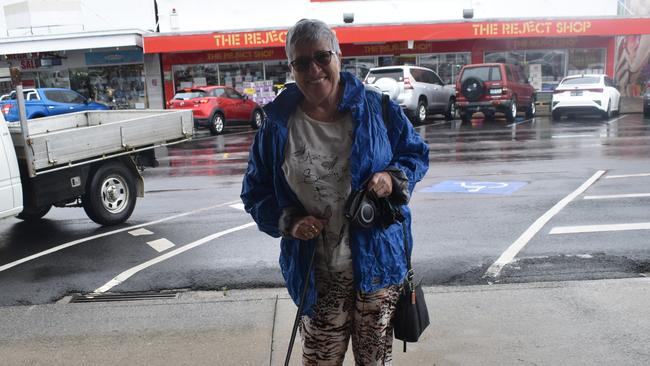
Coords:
475,187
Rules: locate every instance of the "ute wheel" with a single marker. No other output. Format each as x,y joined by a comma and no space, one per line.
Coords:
110,195
258,117
511,114
217,124
31,214
450,113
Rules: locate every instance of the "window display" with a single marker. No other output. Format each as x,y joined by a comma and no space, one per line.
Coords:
586,61
546,76
120,87
446,65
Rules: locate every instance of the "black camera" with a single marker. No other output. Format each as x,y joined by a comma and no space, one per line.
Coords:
364,209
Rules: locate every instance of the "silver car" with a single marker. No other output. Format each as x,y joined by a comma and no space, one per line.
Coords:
418,90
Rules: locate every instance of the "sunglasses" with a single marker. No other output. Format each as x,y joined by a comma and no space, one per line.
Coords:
322,59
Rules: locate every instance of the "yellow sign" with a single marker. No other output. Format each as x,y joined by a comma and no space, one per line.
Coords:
531,28
252,39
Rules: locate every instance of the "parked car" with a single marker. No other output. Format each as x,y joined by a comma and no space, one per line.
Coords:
646,101
494,88
218,106
418,90
44,102
586,94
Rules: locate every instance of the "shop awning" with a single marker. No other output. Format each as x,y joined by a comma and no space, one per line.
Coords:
360,34
71,41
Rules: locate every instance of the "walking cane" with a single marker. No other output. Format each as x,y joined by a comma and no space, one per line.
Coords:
302,302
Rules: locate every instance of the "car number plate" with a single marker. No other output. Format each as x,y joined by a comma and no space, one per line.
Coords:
576,93
495,91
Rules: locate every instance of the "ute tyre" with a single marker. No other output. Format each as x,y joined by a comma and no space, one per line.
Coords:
217,124
32,214
511,114
257,120
110,195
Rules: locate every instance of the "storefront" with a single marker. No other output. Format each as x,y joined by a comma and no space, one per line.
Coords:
112,75
548,50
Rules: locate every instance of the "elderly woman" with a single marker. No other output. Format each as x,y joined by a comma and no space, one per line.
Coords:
323,138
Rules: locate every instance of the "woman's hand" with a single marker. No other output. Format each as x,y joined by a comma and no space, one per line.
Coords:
382,184
307,227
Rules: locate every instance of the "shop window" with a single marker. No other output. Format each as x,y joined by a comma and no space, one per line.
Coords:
542,68
188,76
54,79
358,66
278,72
119,87
586,61
236,74
446,65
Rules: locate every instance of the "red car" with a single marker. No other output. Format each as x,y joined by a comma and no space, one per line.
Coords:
218,106
494,88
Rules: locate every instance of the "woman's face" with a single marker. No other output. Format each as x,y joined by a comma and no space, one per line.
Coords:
317,80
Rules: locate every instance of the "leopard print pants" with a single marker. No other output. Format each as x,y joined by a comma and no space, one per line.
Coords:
342,312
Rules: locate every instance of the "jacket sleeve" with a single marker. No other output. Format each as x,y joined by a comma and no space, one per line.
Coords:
410,151
258,187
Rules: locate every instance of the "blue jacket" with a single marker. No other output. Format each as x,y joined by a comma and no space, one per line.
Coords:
378,255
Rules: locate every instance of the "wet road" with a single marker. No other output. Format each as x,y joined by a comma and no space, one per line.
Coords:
501,203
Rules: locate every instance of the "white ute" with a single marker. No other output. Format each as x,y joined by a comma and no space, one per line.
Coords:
85,159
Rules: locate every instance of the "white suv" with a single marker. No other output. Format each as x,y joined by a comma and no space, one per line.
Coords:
418,90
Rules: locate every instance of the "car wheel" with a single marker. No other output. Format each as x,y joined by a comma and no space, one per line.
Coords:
450,114
556,116
608,114
466,117
257,119
530,111
511,114
420,114
216,124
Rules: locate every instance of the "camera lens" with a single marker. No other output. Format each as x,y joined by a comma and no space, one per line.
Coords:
367,213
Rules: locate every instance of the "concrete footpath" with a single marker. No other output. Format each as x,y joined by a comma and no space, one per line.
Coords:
604,322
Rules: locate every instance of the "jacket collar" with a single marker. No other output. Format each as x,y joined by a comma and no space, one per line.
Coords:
285,104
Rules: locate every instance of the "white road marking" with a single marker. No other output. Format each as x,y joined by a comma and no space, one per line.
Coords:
630,195
518,123
140,232
161,244
238,206
628,176
130,272
599,228
83,240
616,120
571,136
521,242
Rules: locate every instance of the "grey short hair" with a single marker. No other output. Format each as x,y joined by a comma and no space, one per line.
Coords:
309,31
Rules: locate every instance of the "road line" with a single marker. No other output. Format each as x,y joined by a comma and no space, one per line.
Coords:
615,120
571,136
627,176
518,123
140,232
130,272
599,228
238,206
160,245
614,196
83,240
521,242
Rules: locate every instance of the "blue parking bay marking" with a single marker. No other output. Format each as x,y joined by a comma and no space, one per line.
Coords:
479,187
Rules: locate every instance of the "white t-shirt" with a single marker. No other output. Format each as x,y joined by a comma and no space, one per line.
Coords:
317,168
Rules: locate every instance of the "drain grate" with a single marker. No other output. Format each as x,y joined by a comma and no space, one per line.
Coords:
132,296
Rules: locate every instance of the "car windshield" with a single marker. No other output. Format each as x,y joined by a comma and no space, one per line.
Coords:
189,95
395,74
485,73
582,80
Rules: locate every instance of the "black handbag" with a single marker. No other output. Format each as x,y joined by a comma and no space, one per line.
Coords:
411,316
